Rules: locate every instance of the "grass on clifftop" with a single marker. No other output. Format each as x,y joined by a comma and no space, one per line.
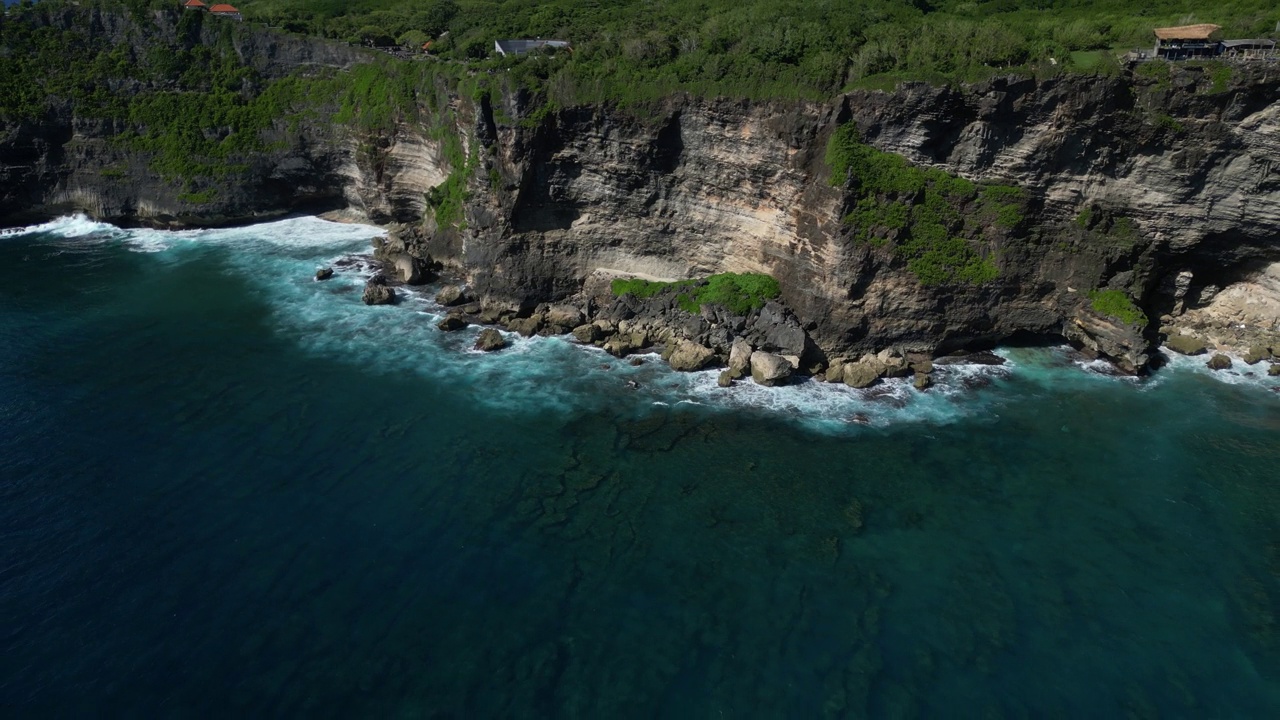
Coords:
1116,304
737,293
924,214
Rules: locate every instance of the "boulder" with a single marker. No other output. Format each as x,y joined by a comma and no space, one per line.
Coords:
725,379
1256,354
587,334
689,356
564,316
527,327
768,369
794,360
739,358
1219,362
922,381
490,315
376,292
893,366
451,295
1274,369
922,366
490,340
835,373
410,270
1185,344
452,322
861,374
324,273
618,345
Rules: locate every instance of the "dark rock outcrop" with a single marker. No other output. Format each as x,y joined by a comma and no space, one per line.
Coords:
490,340
377,292
324,273
1219,362
452,322
453,295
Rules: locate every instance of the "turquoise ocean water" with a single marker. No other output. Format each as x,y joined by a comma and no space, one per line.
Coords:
229,490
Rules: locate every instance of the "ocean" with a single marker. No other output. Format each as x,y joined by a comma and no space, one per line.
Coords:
229,490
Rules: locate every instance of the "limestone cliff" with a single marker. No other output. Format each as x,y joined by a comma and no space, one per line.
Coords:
1131,183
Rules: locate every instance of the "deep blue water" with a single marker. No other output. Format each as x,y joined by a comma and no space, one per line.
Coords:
228,490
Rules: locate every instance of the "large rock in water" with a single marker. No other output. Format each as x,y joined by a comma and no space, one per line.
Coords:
689,356
451,295
739,358
861,374
1185,344
490,340
768,369
452,322
587,334
376,291
411,270
1219,362
1256,354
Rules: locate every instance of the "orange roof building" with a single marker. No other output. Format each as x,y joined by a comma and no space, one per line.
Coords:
195,5
224,10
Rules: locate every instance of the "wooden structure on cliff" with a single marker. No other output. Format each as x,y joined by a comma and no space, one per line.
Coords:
1187,41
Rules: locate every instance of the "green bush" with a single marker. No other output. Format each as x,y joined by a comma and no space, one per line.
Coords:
1116,304
738,293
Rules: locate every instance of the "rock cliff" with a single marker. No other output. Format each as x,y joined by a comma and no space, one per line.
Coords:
1156,186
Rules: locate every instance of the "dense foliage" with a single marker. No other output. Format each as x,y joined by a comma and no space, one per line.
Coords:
737,293
925,216
637,49
1116,304
187,101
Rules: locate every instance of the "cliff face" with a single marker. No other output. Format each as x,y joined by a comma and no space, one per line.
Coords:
1154,186
1130,183
65,161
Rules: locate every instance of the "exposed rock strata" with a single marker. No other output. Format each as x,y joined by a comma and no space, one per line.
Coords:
1167,191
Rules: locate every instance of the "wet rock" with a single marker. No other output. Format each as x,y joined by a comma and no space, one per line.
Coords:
689,356
922,366
768,369
490,340
1274,369
411,270
636,362
1120,342
324,273
619,345
451,322
451,295
860,374
922,381
739,358
1219,362
587,334
376,291
527,327
1256,354
725,379
1185,344
564,318
835,373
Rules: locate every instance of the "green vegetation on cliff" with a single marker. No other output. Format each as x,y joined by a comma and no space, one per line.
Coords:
639,49
738,293
932,220
1116,304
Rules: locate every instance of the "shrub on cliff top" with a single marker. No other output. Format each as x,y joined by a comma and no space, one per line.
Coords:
1116,304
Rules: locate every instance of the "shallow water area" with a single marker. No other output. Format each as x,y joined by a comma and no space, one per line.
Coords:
229,489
